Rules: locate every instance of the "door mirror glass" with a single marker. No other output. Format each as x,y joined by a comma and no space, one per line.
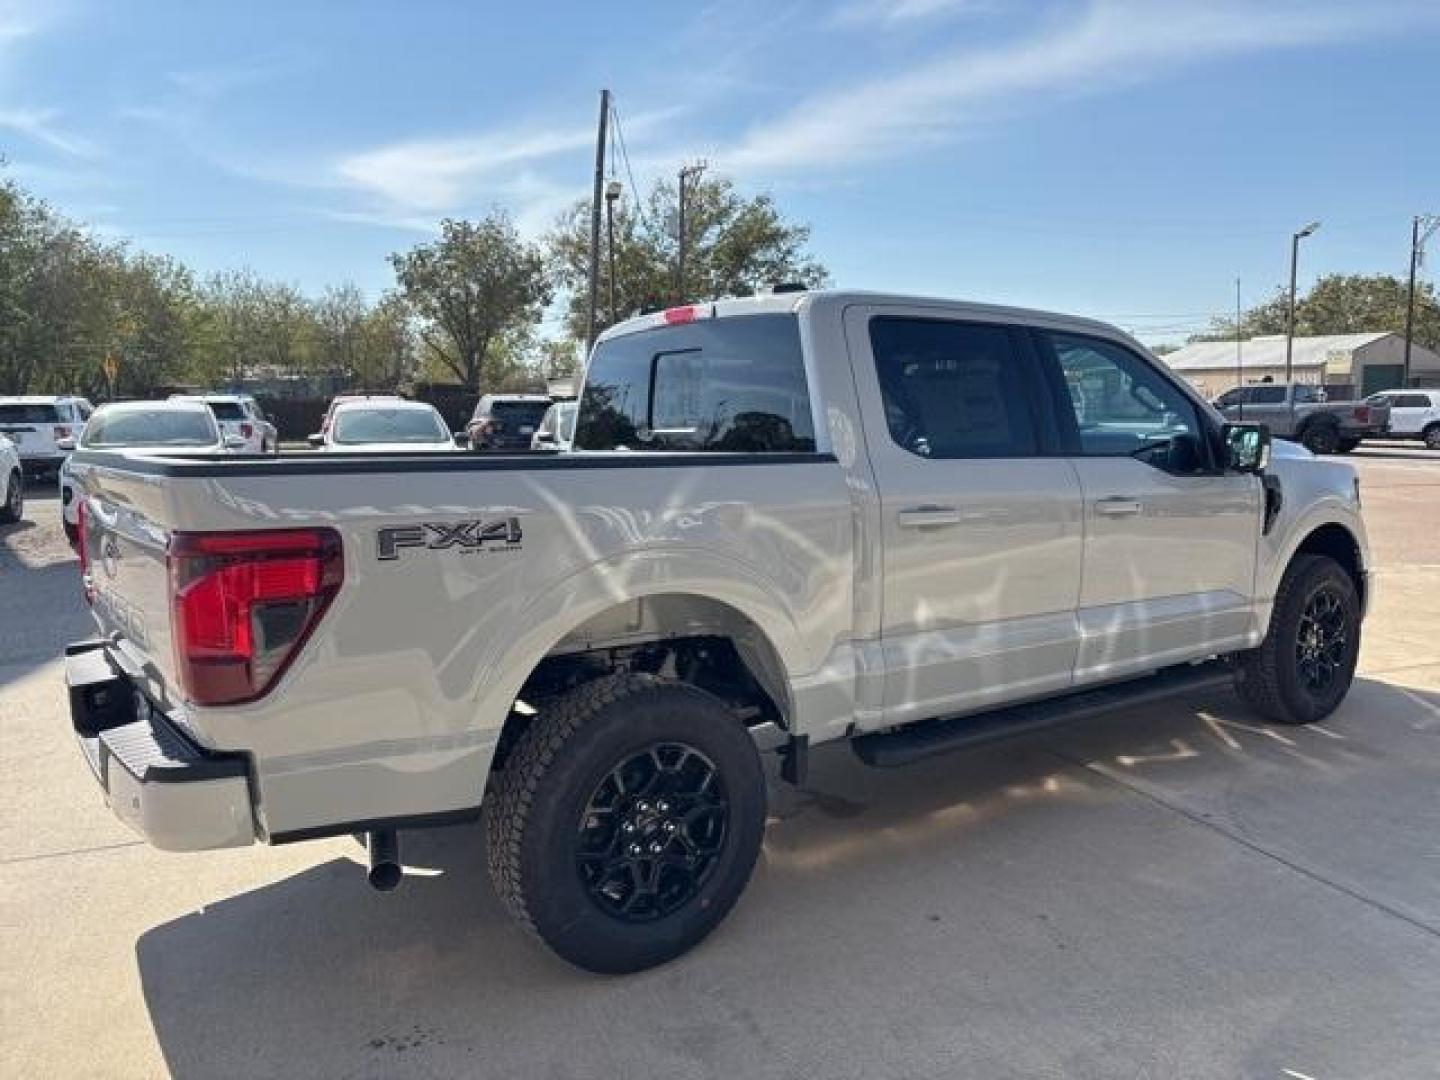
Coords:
316,441
1247,447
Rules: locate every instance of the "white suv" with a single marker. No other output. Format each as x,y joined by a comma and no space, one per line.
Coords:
240,415
12,483
37,423
1414,414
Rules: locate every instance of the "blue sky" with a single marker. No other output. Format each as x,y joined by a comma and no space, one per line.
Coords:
1119,158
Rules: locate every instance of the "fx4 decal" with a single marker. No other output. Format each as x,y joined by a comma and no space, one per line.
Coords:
442,535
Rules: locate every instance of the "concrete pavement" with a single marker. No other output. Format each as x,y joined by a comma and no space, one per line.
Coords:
1176,891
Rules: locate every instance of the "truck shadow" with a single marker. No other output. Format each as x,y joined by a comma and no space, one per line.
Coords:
866,870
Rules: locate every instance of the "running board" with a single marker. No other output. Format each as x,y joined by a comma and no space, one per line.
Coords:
889,749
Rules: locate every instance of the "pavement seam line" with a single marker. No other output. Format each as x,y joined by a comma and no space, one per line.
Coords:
1251,845
72,851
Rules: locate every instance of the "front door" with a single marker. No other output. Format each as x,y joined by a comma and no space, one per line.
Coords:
980,527
1170,540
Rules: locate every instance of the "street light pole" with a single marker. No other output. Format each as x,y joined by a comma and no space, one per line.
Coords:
685,174
1417,247
612,192
594,274
1290,318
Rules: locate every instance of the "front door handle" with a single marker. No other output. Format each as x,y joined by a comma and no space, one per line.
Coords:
928,517
1117,506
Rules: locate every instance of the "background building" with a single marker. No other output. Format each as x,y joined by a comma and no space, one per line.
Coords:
1347,364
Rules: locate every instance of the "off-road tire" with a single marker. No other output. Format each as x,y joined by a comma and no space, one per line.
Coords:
1431,435
1268,678
1320,437
14,504
534,815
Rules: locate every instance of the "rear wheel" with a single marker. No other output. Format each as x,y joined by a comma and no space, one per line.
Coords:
1432,436
1320,438
1344,446
627,822
1304,667
14,504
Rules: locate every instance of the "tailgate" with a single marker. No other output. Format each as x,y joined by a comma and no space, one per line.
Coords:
125,544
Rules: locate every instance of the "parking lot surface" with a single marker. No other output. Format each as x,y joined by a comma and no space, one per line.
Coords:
1173,891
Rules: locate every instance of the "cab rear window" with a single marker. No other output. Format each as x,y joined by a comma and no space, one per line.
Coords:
732,385
28,413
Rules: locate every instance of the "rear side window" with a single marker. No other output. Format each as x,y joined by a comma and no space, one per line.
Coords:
226,410
1267,395
717,385
23,413
1411,401
953,390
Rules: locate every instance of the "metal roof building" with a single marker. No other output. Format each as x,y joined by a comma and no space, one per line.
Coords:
1359,363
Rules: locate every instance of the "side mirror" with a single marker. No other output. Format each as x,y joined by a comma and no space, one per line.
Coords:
66,444
234,442
1246,446
462,439
316,441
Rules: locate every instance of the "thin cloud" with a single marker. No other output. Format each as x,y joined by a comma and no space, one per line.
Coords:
895,12
1109,42
38,125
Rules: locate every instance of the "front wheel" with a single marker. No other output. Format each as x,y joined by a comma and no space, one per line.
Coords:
1344,446
626,822
1432,436
1303,669
14,504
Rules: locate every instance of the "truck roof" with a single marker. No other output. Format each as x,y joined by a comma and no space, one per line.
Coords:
782,302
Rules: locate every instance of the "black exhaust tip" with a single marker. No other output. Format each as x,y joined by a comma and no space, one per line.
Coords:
385,870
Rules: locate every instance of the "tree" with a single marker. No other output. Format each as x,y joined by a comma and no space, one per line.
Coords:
734,246
1341,304
475,289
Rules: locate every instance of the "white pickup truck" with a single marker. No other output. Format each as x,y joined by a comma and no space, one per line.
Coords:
790,519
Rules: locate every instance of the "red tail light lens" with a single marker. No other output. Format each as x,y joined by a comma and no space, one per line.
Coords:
246,430
243,604
676,315
1362,413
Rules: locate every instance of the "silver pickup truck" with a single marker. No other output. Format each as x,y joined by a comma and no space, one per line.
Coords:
911,524
1302,412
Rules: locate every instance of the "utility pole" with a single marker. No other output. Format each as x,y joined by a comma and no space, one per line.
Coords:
1239,352
686,172
1290,318
1417,255
612,193
595,218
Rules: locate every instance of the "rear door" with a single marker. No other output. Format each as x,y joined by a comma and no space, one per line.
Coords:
1170,540
1410,413
980,516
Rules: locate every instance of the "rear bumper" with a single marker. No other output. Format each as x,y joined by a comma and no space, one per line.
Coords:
176,795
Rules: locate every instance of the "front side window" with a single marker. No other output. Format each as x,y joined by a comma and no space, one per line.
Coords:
1124,407
714,385
951,389
1267,395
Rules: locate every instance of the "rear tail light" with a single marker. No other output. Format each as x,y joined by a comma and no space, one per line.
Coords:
243,605
62,431
1362,413
675,315
246,430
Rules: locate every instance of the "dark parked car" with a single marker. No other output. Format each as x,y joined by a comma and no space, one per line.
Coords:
506,421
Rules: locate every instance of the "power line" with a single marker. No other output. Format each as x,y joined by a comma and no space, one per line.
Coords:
629,173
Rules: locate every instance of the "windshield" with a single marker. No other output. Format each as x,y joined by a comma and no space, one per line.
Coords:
22,413
354,426
149,427
519,412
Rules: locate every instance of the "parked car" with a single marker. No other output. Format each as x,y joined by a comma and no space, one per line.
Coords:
506,421
12,483
170,427
1414,414
240,415
36,423
557,427
380,427
786,520
1301,412
341,399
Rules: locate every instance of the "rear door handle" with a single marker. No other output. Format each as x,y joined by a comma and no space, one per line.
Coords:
1117,506
925,517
